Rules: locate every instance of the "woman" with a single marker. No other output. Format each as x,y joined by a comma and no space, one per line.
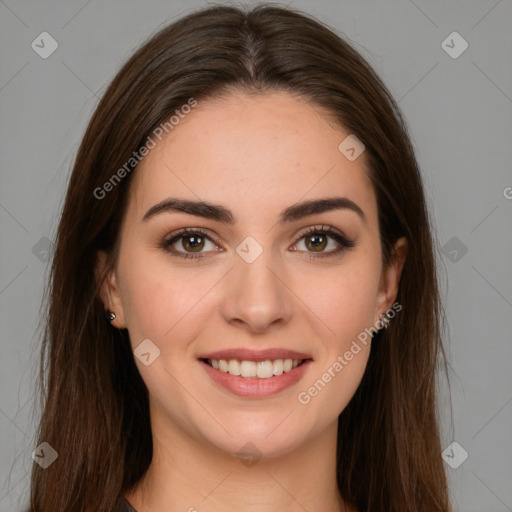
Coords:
244,309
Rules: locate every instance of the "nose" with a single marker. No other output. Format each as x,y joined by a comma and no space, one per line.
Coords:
256,296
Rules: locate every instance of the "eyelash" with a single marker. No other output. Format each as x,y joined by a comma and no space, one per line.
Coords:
343,241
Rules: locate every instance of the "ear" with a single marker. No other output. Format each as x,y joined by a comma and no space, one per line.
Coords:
108,291
390,278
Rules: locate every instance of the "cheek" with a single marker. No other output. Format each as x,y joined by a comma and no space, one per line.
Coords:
344,299
161,299
345,303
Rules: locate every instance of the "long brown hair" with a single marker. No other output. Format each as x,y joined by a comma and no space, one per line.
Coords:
95,410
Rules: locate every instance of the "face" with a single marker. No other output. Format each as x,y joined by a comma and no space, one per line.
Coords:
251,274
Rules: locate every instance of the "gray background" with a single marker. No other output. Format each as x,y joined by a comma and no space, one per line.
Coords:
459,112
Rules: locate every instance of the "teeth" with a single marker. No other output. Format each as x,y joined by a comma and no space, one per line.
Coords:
253,369
264,369
245,368
235,368
278,367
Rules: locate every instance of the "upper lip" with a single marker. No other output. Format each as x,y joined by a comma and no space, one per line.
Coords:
245,354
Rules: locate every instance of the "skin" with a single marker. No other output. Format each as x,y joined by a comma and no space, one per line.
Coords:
255,155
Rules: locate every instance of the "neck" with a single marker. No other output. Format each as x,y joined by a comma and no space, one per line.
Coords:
192,475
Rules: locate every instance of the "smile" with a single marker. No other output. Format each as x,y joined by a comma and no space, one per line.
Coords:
255,379
254,369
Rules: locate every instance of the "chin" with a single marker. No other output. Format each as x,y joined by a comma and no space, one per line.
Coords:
257,443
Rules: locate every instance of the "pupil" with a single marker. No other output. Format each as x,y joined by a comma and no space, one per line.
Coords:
317,241
193,241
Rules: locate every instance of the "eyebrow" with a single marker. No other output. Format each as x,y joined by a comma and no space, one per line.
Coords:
220,213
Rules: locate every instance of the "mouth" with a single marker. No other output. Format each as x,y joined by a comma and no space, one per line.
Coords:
249,369
253,379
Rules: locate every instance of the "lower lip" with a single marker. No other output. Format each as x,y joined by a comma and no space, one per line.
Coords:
254,387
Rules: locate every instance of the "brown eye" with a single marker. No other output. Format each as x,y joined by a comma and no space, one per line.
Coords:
188,243
192,243
316,240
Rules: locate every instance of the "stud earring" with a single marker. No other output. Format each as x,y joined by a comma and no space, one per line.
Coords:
110,316
384,320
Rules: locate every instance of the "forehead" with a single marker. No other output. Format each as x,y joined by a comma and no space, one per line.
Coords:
256,154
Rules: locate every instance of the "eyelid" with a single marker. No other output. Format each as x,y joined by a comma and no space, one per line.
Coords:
344,243
323,228
180,233
340,238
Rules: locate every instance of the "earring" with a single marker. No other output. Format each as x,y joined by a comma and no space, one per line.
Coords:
384,320
110,316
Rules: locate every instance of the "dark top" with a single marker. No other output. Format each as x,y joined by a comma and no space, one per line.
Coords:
127,507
